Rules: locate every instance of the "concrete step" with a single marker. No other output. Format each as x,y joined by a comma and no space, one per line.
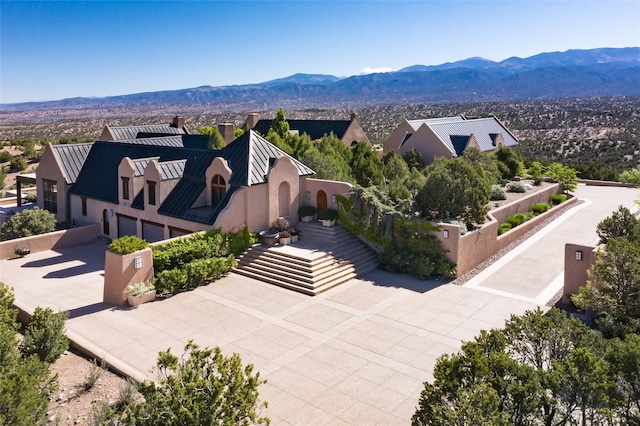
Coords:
324,258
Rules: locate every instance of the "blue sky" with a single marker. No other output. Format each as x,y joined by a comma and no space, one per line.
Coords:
62,49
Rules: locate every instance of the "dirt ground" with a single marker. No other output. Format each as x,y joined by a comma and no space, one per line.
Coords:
73,403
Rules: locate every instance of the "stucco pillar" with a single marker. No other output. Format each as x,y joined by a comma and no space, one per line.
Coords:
122,270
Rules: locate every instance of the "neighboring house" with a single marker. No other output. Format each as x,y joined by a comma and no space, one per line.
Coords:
157,188
118,133
448,136
349,131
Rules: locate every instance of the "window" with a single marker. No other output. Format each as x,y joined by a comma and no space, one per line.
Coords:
152,193
578,255
445,233
50,195
125,188
84,205
218,189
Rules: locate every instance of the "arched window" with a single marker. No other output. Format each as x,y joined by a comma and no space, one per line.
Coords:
218,189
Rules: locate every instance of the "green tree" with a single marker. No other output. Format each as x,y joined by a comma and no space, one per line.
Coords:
367,169
630,176
539,370
613,288
33,221
17,164
454,189
238,131
509,163
340,154
414,159
623,357
486,162
203,387
566,175
216,141
25,382
395,167
325,167
44,335
621,224
536,170
280,125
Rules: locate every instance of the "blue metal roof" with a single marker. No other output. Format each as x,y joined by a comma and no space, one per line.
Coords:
71,157
481,128
131,132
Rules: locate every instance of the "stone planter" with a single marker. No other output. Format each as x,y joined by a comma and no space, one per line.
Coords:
285,241
269,238
328,223
134,301
306,218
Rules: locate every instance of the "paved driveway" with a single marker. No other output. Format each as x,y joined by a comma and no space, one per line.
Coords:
357,354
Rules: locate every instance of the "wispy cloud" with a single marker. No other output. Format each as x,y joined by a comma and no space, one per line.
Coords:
369,70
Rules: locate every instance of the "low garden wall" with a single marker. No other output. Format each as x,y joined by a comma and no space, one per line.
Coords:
51,240
471,249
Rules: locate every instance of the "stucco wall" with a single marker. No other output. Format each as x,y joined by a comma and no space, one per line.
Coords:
309,191
52,240
49,169
354,133
575,271
120,271
427,143
471,249
396,137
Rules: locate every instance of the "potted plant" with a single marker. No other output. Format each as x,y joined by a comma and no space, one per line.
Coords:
306,213
294,234
269,237
140,293
285,238
328,217
22,250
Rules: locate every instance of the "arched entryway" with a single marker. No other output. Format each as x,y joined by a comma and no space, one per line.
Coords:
284,199
105,222
322,200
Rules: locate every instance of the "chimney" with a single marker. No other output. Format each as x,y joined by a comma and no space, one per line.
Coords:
252,120
354,116
178,121
226,130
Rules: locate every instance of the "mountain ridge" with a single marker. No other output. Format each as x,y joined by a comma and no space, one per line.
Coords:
550,75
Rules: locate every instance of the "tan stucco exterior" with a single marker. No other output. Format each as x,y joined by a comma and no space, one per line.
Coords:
49,169
120,271
575,270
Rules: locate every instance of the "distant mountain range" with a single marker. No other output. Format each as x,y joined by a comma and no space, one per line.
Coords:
570,74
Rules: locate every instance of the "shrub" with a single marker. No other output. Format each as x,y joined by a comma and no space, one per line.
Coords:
504,228
497,193
516,187
31,198
138,289
5,156
17,164
169,281
280,224
240,241
30,222
460,223
519,218
630,176
44,335
178,253
328,214
307,211
538,208
127,244
558,198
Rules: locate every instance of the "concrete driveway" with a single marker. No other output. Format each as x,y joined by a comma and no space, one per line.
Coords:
357,354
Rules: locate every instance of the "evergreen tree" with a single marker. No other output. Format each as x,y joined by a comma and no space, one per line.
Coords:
367,169
280,125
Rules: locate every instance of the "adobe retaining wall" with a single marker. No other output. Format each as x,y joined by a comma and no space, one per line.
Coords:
51,240
471,249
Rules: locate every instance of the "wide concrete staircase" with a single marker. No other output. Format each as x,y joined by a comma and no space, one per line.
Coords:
323,258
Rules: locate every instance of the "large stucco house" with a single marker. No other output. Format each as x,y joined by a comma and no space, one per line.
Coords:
448,136
349,131
158,187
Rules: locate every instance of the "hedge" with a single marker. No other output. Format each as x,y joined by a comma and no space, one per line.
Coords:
538,208
558,198
127,244
196,273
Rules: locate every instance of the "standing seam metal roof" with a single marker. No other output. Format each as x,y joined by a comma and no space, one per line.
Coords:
481,128
131,132
71,157
248,157
415,124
